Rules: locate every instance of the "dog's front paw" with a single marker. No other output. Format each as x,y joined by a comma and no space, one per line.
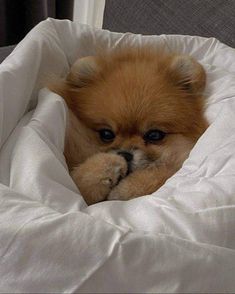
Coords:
124,191
98,175
141,182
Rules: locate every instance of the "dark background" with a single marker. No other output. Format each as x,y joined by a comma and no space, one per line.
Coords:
18,17
208,18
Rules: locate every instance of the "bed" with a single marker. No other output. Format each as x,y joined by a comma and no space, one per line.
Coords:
179,239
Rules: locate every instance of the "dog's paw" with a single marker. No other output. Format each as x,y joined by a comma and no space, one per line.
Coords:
98,175
138,183
141,182
124,191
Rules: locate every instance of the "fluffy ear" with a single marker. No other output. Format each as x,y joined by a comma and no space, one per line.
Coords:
188,74
82,71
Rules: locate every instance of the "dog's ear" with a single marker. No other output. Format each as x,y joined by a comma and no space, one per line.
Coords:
188,74
82,71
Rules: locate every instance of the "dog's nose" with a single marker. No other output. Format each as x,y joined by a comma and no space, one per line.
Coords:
127,155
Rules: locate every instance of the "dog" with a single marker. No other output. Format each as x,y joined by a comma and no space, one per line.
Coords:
134,116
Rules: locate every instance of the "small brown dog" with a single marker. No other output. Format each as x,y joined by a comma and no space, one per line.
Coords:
134,116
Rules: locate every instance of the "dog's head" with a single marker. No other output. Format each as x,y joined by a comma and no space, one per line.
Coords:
145,105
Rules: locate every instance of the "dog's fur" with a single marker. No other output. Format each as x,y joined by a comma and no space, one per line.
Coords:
131,91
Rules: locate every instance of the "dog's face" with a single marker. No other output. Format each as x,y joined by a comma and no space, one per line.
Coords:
143,105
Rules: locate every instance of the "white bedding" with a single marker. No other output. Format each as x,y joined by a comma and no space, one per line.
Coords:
180,239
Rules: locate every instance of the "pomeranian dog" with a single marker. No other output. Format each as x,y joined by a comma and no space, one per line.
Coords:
134,116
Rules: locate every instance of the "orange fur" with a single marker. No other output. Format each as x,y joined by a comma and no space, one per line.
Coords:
131,91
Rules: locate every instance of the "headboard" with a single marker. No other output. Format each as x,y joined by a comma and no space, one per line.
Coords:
208,18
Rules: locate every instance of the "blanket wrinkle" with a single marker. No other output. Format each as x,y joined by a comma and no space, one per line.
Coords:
3,254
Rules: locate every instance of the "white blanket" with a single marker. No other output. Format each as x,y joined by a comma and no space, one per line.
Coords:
179,239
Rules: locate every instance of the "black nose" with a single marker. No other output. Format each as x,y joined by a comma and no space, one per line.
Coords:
127,155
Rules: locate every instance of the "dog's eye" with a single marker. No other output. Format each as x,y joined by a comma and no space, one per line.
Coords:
154,136
106,135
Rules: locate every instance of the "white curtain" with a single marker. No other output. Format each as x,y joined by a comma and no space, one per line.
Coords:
89,12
